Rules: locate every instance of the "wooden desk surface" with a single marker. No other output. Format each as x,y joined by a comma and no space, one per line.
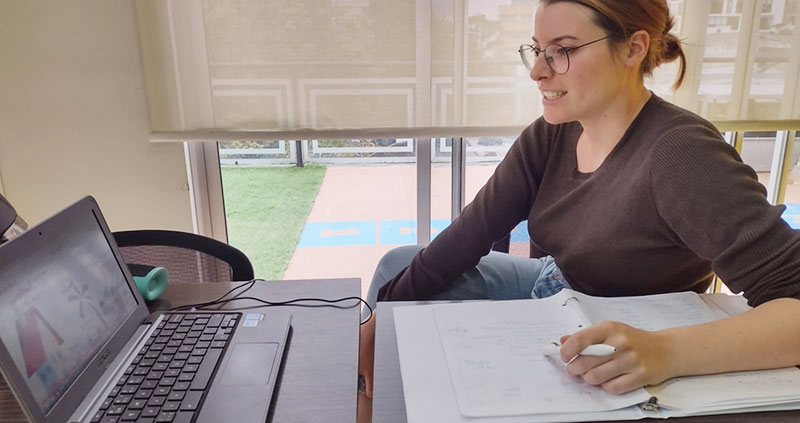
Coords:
318,381
388,402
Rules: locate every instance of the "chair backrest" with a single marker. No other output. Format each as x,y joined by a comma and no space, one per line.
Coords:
187,257
507,245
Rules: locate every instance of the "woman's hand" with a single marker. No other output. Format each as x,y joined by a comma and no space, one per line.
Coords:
366,353
642,358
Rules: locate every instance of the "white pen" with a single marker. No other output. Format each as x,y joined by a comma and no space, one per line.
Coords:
597,350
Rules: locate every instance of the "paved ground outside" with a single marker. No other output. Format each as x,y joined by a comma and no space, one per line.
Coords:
361,212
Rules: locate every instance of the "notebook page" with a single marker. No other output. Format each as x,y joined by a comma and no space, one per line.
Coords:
493,352
651,312
728,305
707,393
695,394
428,390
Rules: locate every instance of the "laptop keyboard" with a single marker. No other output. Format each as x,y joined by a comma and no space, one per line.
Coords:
168,379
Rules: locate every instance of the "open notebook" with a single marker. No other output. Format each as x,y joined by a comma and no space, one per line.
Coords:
483,361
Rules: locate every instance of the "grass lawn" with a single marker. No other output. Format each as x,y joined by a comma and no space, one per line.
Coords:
266,208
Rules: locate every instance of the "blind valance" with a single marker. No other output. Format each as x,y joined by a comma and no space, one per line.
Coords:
410,67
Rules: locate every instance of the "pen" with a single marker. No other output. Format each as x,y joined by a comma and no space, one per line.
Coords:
597,350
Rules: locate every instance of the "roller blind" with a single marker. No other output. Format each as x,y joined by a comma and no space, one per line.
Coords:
426,67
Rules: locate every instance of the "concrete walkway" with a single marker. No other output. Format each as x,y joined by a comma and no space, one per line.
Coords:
361,212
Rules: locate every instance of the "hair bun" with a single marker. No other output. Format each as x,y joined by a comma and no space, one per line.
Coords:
672,47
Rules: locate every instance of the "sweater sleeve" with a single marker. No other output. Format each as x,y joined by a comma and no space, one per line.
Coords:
715,206
499,206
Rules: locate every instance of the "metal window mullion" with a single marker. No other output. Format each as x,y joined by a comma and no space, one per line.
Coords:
734,139
779,170
297,151
786,165
205,189
423,190
459,170
216,199
728,137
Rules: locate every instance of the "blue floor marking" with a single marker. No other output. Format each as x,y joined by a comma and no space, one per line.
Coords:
398,232
520,232
793,220
437,226
792,215
792,208
337,234
404,232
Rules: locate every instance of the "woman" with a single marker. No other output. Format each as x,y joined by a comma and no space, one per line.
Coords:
625,194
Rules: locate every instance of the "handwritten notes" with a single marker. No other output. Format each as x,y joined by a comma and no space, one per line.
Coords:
651,312
494,355
493,351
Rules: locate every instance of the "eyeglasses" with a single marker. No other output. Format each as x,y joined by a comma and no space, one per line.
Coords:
556,56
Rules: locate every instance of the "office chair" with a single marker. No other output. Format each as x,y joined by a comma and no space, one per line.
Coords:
187,257
11,224
511,244
502,244
7,215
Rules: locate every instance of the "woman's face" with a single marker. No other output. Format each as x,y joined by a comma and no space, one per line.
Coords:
594,78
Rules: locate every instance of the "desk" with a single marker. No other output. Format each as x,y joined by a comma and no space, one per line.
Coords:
318,381
388,403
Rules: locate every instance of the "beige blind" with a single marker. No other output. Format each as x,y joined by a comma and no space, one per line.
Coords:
426,66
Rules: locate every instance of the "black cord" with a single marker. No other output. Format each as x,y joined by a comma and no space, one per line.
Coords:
219,302
249,284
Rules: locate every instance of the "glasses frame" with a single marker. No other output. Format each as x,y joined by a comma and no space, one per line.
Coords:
547,58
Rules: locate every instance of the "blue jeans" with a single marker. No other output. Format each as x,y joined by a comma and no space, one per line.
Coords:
498,276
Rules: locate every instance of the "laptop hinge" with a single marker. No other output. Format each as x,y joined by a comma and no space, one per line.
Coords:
95,397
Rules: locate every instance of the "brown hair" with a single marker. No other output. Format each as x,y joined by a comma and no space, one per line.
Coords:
621,18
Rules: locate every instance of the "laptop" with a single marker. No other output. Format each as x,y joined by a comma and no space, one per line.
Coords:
77,343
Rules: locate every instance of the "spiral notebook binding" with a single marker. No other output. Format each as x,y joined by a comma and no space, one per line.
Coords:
650,405
564,304
576,310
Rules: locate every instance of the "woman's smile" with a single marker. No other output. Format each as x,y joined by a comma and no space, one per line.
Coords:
553,95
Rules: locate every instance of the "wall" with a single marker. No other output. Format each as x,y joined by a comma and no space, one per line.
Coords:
73,117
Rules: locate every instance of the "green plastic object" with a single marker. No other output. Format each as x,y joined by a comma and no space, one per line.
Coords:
153,283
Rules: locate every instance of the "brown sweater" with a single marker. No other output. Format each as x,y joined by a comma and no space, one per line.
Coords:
671,204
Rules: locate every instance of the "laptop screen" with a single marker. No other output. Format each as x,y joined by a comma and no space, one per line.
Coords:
59,305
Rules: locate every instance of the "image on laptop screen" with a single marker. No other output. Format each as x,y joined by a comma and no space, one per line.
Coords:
59,306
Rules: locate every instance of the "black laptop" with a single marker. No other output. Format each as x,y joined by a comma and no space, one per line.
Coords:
77,343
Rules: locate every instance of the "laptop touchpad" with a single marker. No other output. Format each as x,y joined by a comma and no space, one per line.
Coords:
250,364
